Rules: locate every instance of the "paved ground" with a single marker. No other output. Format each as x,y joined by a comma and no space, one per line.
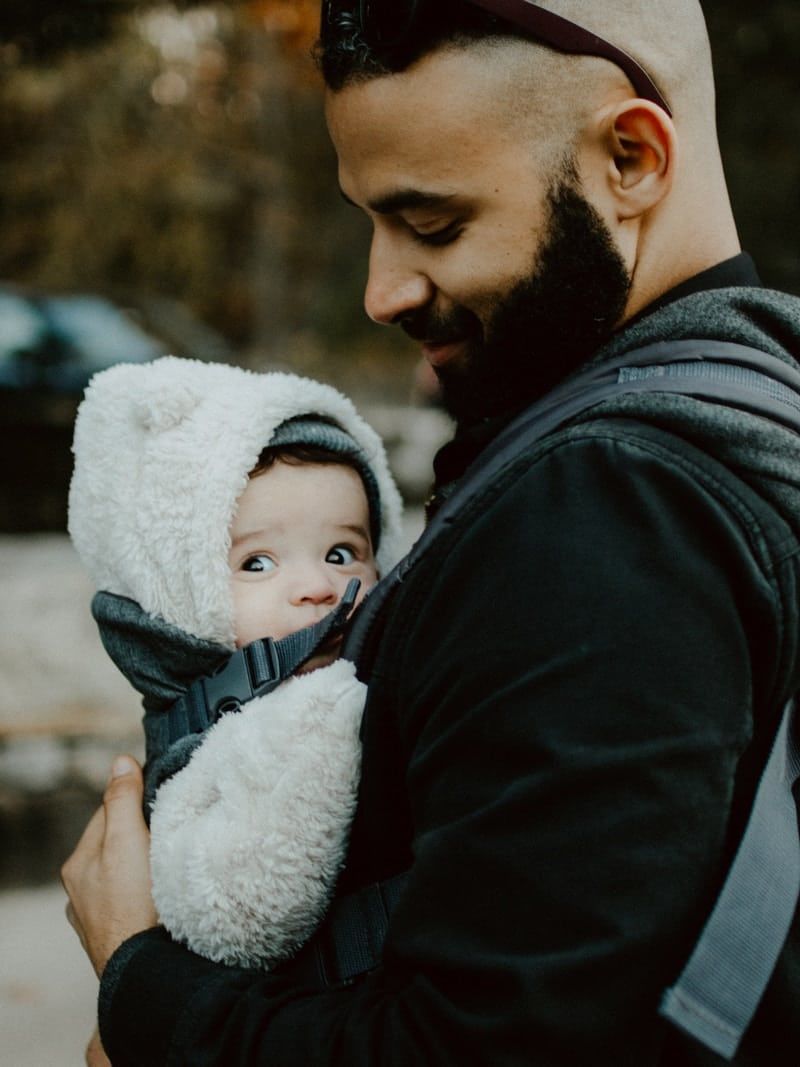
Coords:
47,987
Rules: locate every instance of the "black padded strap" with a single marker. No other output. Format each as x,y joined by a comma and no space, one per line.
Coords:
350,940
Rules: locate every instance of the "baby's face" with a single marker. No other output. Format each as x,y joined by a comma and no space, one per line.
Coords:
299,535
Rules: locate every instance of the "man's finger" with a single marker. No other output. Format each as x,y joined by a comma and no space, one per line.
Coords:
90,843
95,1053
72,918
107,878
95,830
122,800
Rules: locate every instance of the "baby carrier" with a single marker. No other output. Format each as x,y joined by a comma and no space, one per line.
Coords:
726,975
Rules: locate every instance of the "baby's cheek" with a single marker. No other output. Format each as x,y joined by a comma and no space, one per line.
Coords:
248,615
368,580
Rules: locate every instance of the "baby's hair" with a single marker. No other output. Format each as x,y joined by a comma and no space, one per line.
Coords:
296,455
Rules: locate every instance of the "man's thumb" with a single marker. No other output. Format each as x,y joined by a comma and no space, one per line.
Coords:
125,780
123,765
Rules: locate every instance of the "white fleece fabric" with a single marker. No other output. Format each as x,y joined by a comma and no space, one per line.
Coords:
247,841
248,838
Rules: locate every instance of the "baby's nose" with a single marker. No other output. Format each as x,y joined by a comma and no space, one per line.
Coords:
315,587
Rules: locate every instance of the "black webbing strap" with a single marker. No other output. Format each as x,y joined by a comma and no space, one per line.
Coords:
350,940
252,671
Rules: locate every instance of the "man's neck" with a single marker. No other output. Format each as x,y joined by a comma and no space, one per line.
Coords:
736,271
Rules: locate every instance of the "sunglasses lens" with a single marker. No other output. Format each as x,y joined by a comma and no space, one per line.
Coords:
388,22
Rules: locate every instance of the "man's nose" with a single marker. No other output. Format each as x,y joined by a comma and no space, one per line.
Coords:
395,286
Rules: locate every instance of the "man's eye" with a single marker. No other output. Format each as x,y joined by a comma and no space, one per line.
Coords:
258,563
438,238
341,555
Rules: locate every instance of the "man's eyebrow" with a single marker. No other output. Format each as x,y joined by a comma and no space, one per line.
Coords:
403,200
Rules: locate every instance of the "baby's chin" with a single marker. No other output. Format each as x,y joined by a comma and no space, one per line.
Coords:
323,659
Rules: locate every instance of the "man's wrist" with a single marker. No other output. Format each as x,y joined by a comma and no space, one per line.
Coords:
113,946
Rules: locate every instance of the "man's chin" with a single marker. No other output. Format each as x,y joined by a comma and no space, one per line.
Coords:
470,392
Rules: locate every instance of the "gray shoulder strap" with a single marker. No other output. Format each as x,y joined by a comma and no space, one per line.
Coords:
721,986
719,990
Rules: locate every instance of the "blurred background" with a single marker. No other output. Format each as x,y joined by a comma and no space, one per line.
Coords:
167,185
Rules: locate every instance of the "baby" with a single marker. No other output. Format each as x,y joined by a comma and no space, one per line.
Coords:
215,507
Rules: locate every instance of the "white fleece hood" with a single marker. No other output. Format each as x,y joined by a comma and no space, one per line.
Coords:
163,451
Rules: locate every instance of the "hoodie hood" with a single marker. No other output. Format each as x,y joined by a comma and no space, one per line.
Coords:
763,453
163,452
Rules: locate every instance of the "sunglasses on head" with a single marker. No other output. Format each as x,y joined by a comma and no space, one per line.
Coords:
391,24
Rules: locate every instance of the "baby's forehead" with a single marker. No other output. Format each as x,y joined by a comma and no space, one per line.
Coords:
292,495
288,472
337,460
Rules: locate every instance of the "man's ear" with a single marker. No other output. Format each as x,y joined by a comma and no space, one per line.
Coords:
642,156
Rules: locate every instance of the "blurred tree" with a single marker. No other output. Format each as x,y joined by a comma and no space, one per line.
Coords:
182,152
178,149
40,28
756,46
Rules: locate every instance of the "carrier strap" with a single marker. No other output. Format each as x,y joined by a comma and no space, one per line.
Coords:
721,986
250,672
350,940
716,996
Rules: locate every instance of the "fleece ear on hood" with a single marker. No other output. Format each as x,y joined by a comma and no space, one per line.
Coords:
163,451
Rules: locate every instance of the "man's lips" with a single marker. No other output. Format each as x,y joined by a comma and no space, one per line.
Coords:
437,353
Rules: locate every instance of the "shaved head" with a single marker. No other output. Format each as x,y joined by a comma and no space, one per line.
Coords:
558,91
667,37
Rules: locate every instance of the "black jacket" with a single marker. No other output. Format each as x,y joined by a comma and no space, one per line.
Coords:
571,703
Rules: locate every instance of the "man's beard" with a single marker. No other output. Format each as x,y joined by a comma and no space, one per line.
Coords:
549,323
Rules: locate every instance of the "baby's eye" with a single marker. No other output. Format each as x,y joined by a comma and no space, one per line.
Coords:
341,555
258,563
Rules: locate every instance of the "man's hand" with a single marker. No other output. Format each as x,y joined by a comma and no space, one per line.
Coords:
107,877
95,1053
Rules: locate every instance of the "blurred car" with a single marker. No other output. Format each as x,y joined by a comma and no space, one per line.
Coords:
57,343
50,346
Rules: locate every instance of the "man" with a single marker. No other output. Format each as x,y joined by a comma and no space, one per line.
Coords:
572,695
